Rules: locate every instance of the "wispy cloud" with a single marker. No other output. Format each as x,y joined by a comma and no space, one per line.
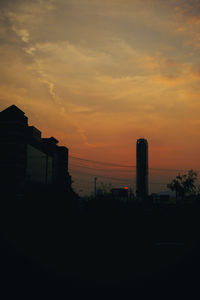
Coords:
102,73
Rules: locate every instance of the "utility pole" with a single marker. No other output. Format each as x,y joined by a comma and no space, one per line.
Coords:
95,187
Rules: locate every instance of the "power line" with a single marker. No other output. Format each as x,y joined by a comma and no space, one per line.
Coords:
167,170
102,163
119,179
103,176
106,164
86,167
131,171
125,166
112,178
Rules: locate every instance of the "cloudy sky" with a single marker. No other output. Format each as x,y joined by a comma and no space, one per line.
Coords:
99,74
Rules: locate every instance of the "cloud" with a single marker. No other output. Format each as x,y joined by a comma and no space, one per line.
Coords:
189,10
98,74
22,33
30,50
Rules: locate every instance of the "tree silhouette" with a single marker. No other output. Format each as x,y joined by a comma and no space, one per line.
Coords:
105,188
184,185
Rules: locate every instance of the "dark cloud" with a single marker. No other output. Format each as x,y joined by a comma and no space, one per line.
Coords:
189,9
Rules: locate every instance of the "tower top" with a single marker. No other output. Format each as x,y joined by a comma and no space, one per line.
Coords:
142,141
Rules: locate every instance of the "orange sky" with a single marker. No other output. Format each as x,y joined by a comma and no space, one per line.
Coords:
99,74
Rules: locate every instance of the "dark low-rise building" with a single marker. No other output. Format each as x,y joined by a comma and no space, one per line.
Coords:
120,194
27,160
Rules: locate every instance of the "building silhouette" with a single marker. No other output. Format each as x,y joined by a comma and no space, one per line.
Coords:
121,194
142,168
27,160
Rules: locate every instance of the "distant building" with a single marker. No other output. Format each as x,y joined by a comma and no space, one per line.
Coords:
159,198
120,194
27,159
142,168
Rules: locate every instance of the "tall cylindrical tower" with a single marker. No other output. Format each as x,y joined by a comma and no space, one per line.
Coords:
142,168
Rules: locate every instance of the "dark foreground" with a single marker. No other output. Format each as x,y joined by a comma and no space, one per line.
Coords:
105,250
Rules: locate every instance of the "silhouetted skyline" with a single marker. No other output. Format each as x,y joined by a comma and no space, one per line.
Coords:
96,76
99,75
40,163
49,233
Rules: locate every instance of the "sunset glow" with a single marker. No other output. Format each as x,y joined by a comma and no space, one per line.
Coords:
100,74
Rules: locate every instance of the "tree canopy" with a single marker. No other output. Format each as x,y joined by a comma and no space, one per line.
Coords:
184,185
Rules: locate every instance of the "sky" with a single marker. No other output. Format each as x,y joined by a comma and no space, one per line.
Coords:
97,75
